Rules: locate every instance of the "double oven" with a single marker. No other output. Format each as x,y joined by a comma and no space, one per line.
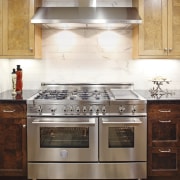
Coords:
90,139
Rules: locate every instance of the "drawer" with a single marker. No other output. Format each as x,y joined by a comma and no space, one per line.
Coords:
163,111
12,110
164,133
163,161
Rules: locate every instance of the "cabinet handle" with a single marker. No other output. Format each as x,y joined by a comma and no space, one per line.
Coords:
168,121
9,111
165,111
165,151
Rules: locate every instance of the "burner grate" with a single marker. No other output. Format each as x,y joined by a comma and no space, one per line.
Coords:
53,94
73,94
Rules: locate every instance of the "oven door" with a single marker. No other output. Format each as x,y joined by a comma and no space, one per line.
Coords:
123,138
62,139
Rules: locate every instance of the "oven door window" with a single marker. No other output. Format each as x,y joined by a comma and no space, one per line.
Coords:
64,137
121,137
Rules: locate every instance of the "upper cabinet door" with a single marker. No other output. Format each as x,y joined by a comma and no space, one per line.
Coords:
158,36
174,27
18,32
1,43
153,30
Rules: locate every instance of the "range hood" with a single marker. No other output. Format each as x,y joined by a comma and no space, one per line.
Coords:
86,15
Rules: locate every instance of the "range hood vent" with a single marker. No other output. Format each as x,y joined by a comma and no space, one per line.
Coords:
86,15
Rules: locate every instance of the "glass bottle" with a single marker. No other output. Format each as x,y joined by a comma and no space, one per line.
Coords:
14,79
19,83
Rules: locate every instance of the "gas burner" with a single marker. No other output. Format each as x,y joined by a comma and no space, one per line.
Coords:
82,94
73,95
52,94
97,95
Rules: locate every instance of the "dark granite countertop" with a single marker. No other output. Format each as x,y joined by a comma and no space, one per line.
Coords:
7,95
172,95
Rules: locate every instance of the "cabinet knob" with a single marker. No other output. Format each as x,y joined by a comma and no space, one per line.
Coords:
170,49
24,125
31,49
165,49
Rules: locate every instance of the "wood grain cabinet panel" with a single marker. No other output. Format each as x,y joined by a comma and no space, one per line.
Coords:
158,35
164,161
162,111
18,31
20,38
163,139
1,34
13,160
8,110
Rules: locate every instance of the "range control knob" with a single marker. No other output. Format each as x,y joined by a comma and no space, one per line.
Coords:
39,109
121,109
84,109
133,109
97,110
91,109
65,109
78,109
53,110
71,109
103,109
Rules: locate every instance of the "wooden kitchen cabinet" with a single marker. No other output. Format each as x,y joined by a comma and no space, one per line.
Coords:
1,17
13,158
18,37
158,36
163,139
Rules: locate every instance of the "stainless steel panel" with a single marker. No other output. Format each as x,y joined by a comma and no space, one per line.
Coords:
136,153
36,153
86,15
120,94
104,109
133,170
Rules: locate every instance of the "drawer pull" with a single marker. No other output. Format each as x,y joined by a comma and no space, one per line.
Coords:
165,151
165,111
9,111
168,121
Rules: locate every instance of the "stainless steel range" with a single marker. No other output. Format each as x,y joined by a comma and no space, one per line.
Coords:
87,131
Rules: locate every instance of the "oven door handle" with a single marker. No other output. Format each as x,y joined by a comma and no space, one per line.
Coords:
91,122
134,122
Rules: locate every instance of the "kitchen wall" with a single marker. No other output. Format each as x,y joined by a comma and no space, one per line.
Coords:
4,74
89,56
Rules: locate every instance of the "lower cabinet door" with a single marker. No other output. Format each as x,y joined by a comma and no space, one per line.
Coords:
163,161
13,147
